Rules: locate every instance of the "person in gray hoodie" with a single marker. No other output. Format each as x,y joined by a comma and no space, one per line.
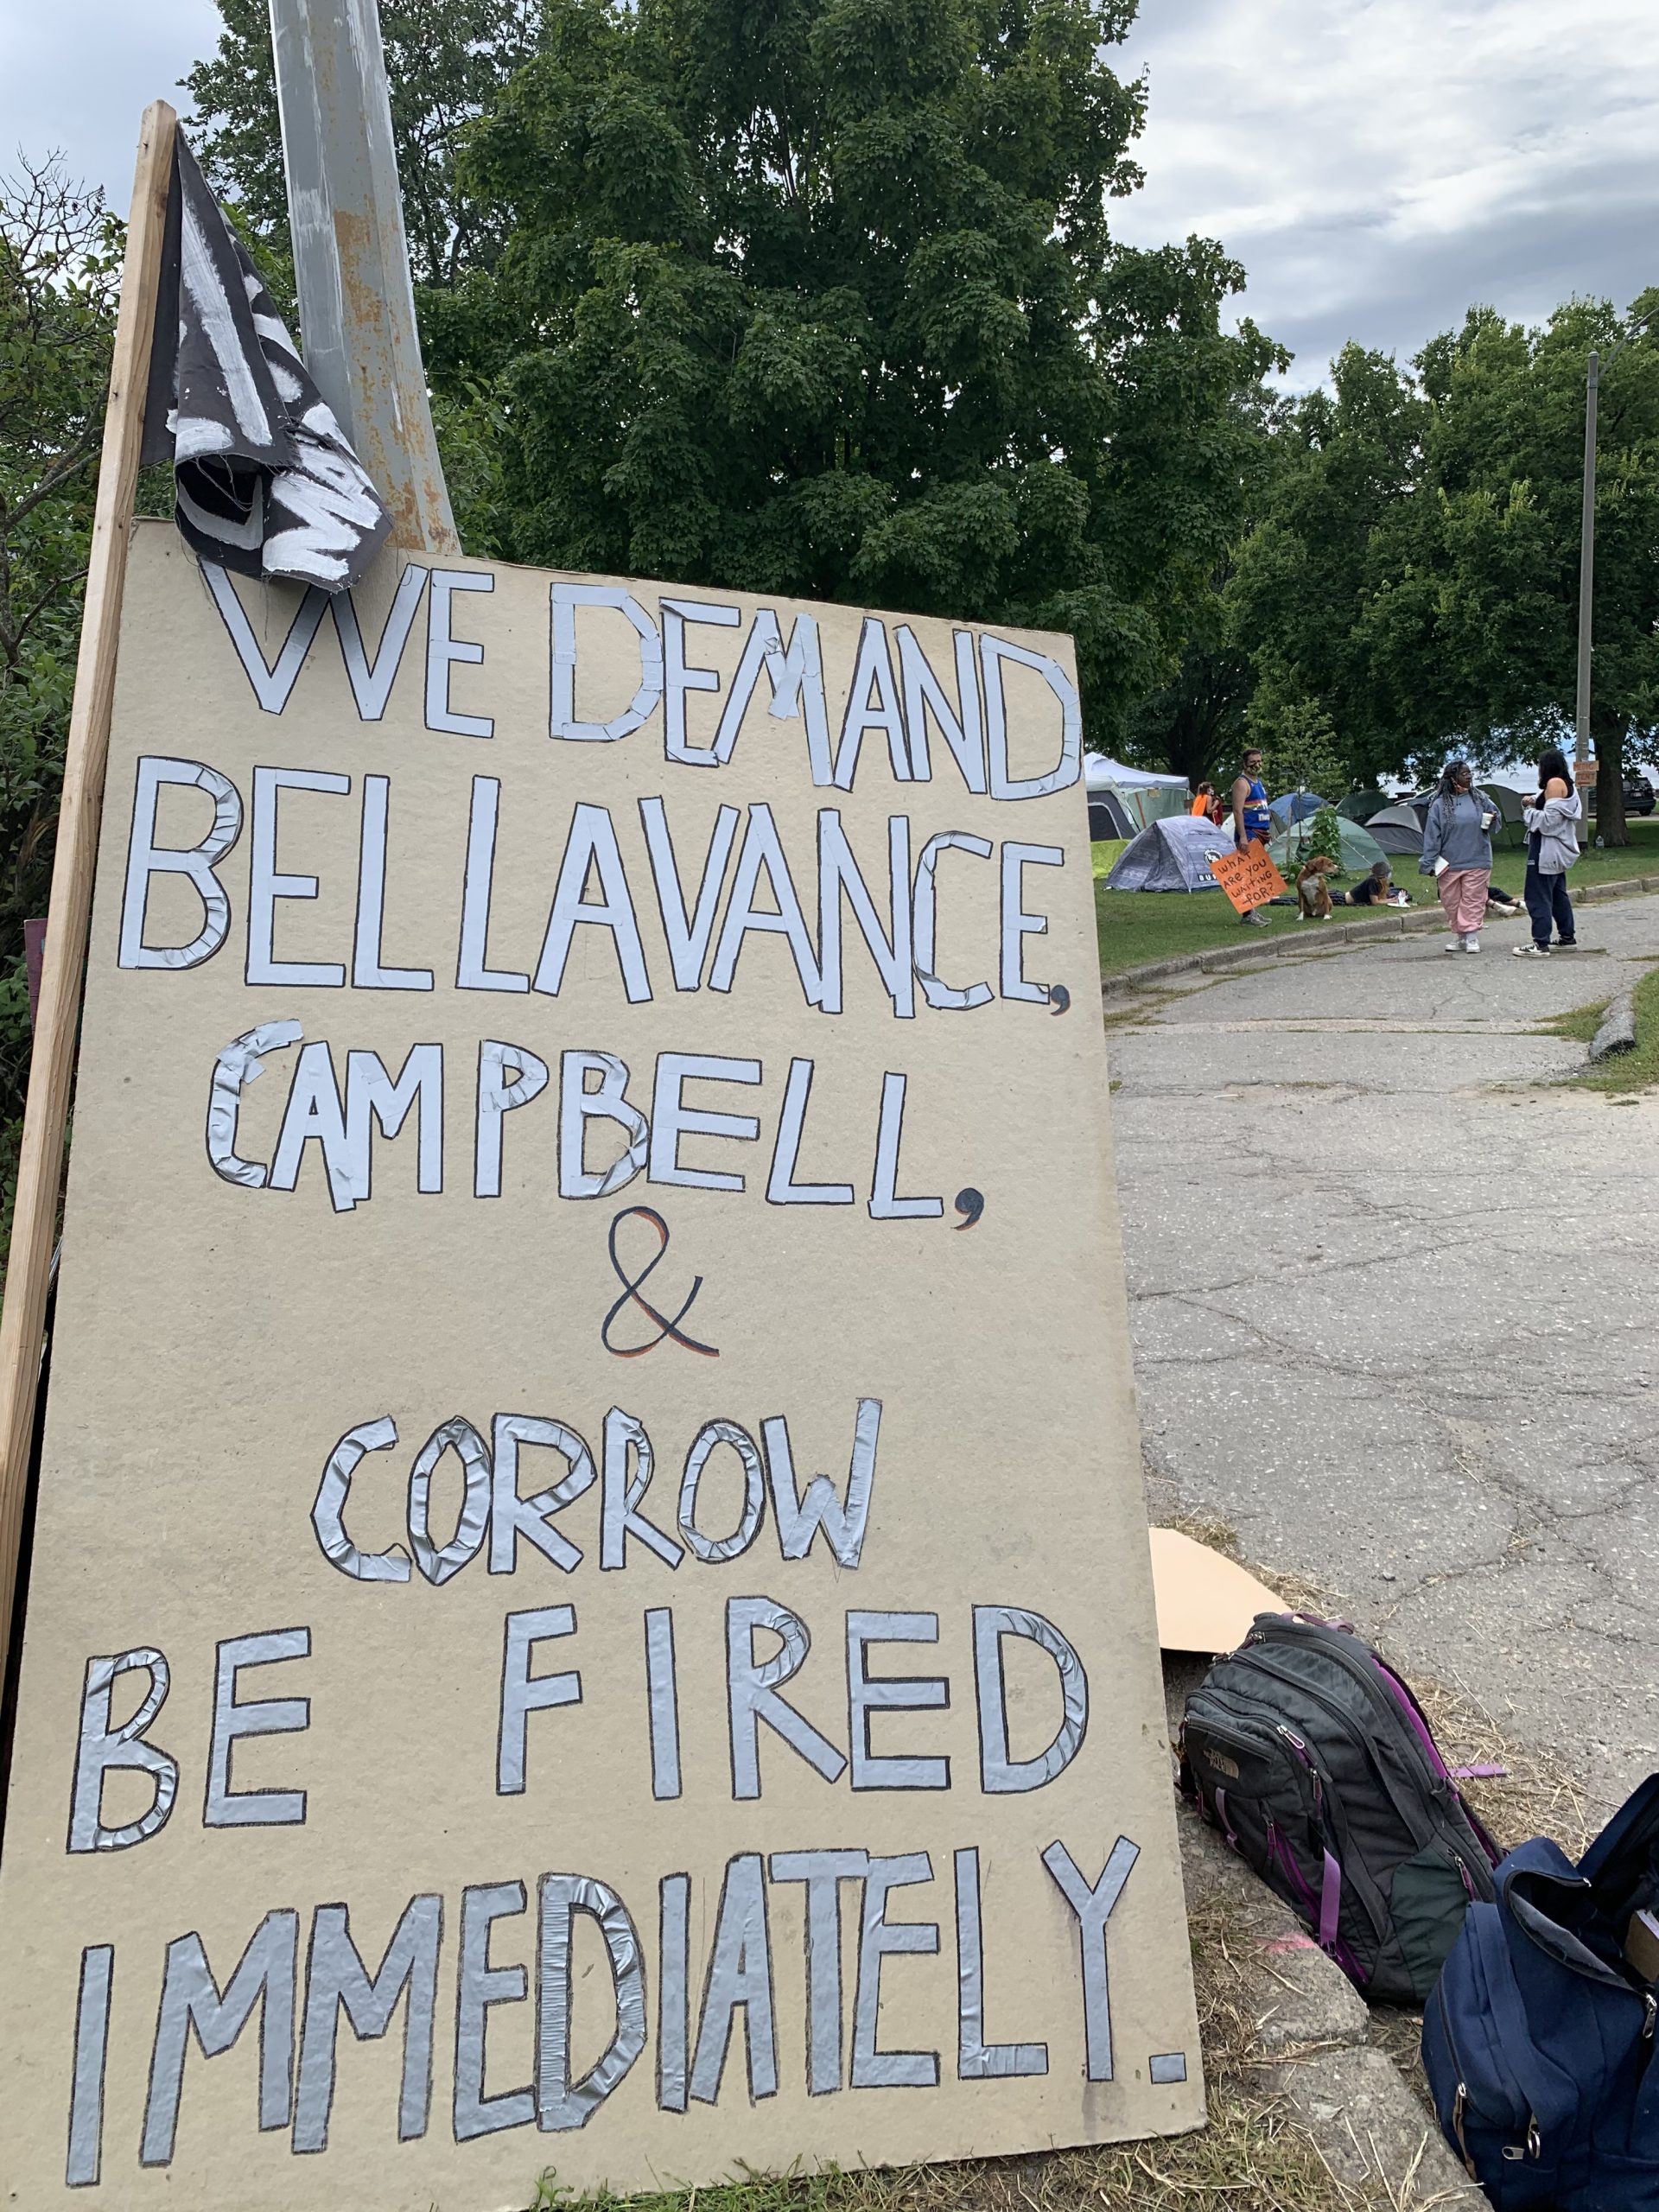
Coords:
1552,847
1457,853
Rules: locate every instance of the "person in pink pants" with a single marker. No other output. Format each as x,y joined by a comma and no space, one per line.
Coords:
1457,853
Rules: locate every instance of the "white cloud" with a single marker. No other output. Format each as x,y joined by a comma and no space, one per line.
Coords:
1377,165
1380,165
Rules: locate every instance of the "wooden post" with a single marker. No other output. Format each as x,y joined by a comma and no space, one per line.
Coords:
351,258
40,1168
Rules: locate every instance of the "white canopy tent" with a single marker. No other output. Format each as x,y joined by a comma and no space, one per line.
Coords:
1143,796
1098,768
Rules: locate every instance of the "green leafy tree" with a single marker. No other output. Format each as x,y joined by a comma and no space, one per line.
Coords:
58,254
1343,461
825,301
1474,633
1413,573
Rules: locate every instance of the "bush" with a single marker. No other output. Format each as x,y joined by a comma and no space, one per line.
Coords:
1322,835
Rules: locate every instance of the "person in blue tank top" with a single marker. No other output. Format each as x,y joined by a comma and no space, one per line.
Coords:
1251,818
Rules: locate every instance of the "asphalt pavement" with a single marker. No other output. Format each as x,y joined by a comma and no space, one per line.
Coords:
1393,1293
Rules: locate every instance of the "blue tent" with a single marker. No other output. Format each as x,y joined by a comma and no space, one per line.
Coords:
1295,806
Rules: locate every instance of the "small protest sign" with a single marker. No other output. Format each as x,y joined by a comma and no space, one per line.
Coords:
1248,876
590,1503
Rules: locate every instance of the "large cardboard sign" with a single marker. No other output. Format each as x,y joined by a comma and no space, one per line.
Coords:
1248,876
591,1602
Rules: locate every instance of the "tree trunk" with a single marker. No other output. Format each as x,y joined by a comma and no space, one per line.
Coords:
1608,731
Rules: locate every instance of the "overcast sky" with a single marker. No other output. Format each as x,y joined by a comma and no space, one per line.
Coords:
1376,165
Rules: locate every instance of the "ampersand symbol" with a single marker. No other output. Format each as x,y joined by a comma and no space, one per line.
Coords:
630,1284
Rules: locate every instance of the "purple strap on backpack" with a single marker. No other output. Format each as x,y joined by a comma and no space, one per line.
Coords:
1221,1806
1330,1904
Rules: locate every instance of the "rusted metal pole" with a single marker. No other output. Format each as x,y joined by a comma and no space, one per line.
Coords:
351,256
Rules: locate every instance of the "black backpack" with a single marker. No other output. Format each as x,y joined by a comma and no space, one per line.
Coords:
1315,1761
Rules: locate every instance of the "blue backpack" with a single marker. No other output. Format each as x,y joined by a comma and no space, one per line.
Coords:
1538,2039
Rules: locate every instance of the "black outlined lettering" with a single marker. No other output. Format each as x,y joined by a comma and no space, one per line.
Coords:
444,650
751,1692
372,682
266,886
146,858
235,1718
367,972
99,1747
273,682
336,1982
563,723
523,1693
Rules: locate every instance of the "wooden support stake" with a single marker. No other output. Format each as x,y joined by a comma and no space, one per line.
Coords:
40,1169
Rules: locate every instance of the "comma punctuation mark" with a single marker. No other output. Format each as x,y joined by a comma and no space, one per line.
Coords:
1059,999
631,1293
971,1203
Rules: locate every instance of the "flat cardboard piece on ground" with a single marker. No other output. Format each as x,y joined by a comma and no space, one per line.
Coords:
1248,876
1205,1601
540,1531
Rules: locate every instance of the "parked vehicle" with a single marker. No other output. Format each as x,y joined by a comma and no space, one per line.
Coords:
1640,798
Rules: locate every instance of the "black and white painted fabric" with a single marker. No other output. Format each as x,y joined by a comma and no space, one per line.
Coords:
266,482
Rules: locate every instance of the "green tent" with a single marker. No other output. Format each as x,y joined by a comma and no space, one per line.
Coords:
1359,848
1360,806
1510,834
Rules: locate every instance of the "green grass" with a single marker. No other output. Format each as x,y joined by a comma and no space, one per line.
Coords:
1580,1022
1624,1073
1139,926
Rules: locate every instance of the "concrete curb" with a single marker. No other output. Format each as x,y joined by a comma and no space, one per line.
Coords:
1222,959
1618,1030
1314,2030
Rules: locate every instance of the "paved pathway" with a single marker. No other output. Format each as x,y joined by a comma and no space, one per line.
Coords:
1394,1297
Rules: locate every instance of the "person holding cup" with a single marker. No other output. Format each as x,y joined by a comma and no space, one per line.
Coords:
1457,853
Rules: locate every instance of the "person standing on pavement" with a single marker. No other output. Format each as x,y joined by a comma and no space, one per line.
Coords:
1552,847
1251,817
1457,853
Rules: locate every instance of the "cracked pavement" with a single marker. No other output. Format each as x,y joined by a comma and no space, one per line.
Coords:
1393,1294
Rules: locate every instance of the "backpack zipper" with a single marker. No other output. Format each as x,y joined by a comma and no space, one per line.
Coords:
1534,2145
1376,1694
1350,1728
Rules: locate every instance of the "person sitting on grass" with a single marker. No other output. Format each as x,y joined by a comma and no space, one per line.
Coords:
1375,889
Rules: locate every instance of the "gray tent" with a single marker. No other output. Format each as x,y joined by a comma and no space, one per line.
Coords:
1398,830
1172,855
1108,816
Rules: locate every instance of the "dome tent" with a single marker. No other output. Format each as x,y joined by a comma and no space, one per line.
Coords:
1360,806
1295,806
1510,834
1173,854
1108,815
1398,830
1360,851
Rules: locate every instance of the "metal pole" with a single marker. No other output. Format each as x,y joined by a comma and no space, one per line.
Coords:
1587,578
351,259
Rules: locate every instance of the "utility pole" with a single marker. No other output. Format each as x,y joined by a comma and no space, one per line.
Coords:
1587,579
351,258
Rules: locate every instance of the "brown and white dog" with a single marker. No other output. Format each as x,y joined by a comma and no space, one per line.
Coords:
1312,892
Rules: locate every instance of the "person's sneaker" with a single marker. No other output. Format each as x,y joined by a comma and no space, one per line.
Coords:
1471,944
1452,945
1530,951
1566,945
1253,920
